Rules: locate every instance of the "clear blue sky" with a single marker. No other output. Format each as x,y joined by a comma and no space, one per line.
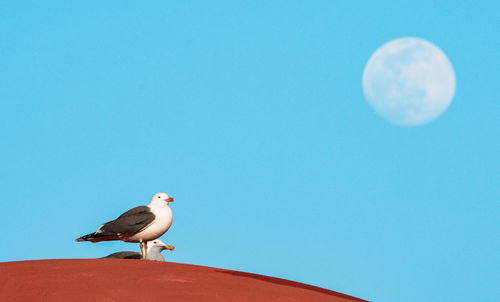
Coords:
252,116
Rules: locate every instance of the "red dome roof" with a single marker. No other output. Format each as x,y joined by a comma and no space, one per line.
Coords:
136,280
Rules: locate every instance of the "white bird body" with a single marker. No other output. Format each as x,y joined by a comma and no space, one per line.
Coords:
159,226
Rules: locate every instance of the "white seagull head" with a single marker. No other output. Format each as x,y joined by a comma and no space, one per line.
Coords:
161,199
157,243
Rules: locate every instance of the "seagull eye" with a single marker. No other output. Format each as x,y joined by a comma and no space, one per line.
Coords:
158,196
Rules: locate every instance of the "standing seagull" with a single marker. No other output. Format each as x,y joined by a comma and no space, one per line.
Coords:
140,224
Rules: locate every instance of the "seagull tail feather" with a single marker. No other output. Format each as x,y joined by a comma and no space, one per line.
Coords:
87,237
96,237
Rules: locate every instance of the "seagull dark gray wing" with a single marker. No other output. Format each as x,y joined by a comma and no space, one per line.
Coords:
130,222
124,255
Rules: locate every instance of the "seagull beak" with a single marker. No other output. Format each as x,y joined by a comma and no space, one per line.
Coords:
170,199
169,247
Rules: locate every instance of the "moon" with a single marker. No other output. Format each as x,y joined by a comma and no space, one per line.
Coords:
409,81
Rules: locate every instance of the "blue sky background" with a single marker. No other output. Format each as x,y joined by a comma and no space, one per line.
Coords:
252,116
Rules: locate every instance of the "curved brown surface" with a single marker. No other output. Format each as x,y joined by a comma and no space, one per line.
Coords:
121,280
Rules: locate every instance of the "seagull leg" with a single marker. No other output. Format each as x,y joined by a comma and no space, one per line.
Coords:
142,249
146,249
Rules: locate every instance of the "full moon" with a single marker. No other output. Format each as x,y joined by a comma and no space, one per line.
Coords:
409,81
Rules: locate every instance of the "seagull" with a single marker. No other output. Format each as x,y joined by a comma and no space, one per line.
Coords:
140,224
155,248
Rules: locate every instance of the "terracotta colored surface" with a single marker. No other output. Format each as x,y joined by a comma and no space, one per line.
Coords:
121,280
